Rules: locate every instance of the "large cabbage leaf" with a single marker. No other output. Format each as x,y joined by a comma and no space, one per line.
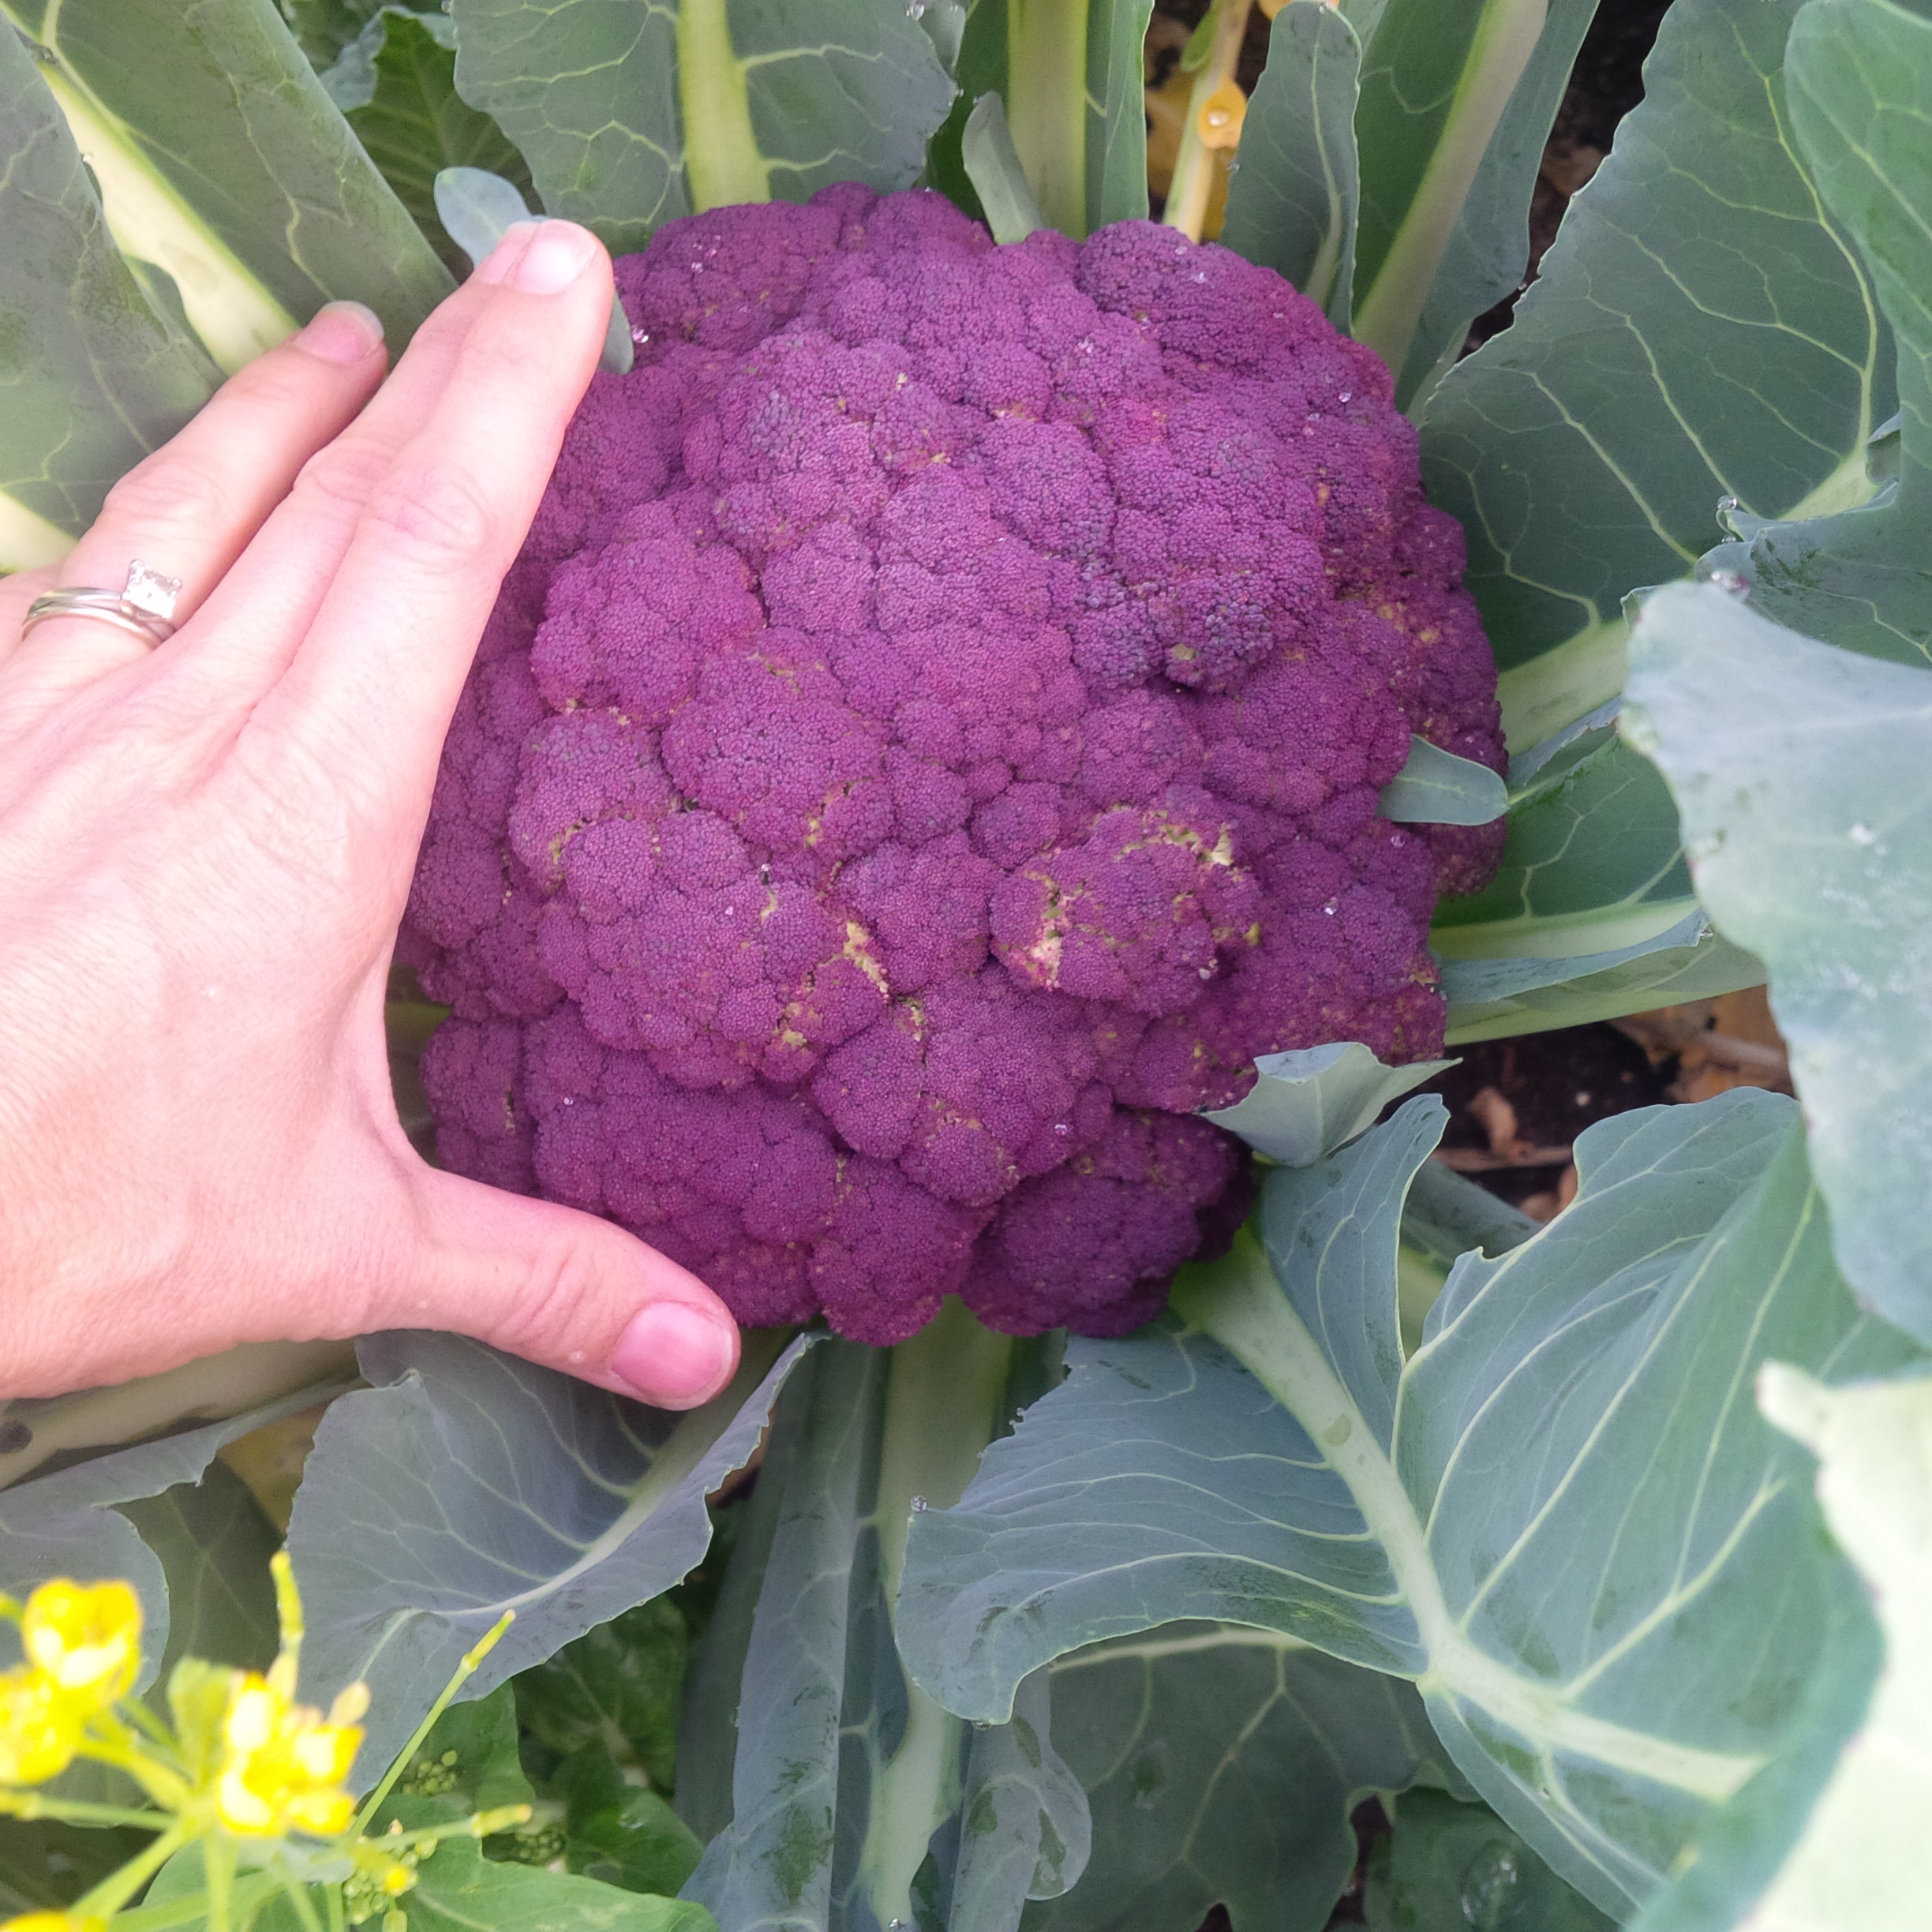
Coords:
1702,330
634,111
466,1482
1611,1603
1190,1809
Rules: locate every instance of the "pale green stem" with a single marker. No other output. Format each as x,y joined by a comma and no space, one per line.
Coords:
297,1893
218,1865
942,1407
232,312
722,164
1191,188
465,1670
28,1805
1504,40
1046,105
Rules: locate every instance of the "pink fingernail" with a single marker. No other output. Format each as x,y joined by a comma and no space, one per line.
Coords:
675,1356
508,251
344,332
558,254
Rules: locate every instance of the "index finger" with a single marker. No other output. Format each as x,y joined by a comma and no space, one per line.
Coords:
388,649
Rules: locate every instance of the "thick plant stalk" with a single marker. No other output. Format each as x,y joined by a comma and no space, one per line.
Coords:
236,317
1046,105
1391,310
722,164
943,1401
1193,184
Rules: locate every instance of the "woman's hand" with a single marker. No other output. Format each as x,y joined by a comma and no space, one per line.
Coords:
204,851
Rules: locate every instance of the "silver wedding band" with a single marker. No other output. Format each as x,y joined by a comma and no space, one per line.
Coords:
143,606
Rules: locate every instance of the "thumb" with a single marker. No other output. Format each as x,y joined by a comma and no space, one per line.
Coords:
568,1291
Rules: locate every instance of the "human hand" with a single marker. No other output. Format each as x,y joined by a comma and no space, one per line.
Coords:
204,851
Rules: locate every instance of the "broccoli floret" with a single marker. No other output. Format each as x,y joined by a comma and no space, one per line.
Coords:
928,747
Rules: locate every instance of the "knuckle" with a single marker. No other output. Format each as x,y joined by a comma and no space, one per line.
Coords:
341,477
558,1304
173,490
437,513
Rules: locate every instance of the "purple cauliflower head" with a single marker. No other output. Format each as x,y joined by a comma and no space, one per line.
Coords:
928,747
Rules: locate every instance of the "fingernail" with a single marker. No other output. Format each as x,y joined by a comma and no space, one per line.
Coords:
344,332
675,1356
559,252
508,251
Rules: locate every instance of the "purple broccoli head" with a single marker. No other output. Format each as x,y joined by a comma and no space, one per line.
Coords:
928,746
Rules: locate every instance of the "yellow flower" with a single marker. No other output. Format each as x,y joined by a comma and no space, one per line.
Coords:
283,1764
39,1728
54,1921
86,1638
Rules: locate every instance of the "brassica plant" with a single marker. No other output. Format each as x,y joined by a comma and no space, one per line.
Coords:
1098,1598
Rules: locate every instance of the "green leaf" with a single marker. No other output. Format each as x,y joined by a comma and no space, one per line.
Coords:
467,1483
1293,202
618,1832
469,1762
1610,1603
1456,103
66,1523
214,1541
853,1799
1436,787
1592,876
396,82
90,378
1308,1103
1860,103
1221,1763
1071,75
1448,1866
616,1686
635,111
992,165
475,209
459,1890
1860,1841
1117,183
1498,999
222,160
1807,795
1700,330
323,29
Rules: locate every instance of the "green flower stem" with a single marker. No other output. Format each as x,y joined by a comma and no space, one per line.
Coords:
1046,105
1192,184
30,1804
119,1886
218,1867
722,164
465,1670
297,1893
947,1387
1504,40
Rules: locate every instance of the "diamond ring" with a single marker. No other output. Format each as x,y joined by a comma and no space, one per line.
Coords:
143,606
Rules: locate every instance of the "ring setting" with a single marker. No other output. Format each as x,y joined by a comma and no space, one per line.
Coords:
144,606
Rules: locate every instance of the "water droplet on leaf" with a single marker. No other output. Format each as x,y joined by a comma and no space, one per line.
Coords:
1489,1884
